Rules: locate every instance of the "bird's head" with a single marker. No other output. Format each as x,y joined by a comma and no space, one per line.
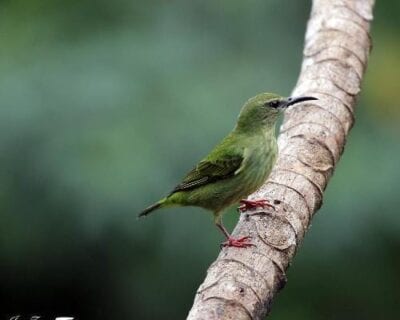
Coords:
262,111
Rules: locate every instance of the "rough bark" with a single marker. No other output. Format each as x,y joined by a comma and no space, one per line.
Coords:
242,283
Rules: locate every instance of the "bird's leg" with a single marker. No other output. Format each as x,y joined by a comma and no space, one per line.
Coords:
233,242
230,241
246,204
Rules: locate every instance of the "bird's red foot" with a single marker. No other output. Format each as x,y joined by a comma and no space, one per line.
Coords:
251,204
238,243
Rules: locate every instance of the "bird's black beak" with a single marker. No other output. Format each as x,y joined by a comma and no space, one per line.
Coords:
293,100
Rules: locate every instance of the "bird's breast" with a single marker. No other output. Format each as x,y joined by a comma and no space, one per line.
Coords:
260,161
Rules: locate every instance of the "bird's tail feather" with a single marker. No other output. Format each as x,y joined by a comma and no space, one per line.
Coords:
151,208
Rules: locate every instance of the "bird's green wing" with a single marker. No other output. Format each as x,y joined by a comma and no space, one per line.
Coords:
210,170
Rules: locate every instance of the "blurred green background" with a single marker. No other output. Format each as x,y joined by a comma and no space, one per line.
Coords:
104,105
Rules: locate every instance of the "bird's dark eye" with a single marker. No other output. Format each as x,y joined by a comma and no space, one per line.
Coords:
274,104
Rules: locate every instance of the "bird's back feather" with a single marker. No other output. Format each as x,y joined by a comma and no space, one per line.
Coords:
209,171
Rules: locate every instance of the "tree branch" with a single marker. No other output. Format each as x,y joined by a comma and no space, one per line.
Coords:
242,283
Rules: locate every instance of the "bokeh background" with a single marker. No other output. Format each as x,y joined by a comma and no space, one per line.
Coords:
104,105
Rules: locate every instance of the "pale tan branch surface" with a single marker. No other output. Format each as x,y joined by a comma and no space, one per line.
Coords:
242,283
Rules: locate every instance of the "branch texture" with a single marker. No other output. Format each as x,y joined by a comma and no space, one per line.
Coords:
242,283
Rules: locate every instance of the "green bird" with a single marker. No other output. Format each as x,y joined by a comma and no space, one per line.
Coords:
236,167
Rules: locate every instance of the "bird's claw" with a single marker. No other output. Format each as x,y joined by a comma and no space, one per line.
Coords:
251,204
237,243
